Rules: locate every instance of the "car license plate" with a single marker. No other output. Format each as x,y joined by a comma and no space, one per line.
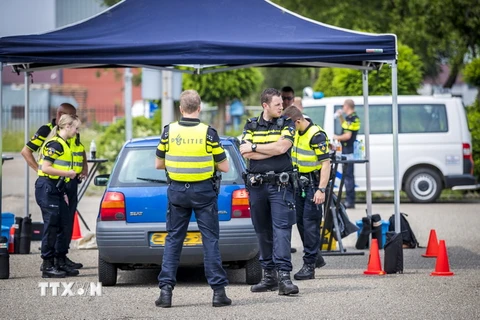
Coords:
193,238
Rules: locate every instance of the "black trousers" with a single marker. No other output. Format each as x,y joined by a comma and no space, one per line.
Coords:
309,217
272,218
55,212
200,198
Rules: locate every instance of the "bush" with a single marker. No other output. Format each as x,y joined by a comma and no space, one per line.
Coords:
111,142
473,113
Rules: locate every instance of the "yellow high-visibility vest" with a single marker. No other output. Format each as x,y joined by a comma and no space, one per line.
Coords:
189,158
303,156
63,162
77,153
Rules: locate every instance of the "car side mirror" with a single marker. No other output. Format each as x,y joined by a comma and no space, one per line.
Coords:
101,180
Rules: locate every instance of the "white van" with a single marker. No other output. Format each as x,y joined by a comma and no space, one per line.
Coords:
434,142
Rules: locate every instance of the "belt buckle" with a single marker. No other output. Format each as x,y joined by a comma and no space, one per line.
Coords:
187,185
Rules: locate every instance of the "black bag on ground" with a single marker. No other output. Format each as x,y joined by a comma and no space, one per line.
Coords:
393,262
409,239
377,229
363,237
344,224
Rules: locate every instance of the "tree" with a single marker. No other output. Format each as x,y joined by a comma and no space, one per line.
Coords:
348,82
219,88
438,31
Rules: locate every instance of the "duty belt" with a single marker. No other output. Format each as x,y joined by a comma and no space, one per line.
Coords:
257,179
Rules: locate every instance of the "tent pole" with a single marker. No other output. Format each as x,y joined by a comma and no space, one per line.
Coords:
167,100
1,137
367,142
396,179
128,104
27,137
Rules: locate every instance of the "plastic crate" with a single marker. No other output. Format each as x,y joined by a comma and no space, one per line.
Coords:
8,219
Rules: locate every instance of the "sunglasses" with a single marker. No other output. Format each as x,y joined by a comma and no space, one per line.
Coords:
287,98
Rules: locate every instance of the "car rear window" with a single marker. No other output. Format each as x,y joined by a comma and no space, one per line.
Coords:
136,166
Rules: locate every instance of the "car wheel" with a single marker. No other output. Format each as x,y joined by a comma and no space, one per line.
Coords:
423,185
107,273
253,270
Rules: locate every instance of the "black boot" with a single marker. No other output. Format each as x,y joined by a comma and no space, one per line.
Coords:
320,262
165,299
73,265
220,298
62,265
306,273
268,283
285,285
49,270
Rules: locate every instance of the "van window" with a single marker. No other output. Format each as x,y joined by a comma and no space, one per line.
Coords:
317,114
380,119
422,118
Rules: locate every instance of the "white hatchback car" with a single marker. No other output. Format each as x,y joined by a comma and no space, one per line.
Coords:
434,142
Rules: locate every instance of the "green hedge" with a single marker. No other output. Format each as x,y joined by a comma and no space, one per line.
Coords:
473,113
110,143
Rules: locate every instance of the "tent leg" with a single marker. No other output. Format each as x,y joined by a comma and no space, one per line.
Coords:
128,104
167,100
396,178
367,143
1,137
27,138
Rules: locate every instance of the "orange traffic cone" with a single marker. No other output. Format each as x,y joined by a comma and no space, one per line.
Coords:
442,267
374,264
77,233
432,247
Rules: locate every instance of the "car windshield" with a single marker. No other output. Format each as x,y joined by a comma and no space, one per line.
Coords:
137,166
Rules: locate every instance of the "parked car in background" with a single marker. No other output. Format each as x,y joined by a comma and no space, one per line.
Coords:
131,224
435,145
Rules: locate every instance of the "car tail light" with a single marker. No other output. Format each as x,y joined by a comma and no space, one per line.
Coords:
467,158
240,204
113,207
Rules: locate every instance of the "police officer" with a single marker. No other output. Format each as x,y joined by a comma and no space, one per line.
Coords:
191,152
350,126
310,155
266,143
80,166
55,169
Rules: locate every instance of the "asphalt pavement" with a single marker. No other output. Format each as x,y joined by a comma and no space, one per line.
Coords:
340,289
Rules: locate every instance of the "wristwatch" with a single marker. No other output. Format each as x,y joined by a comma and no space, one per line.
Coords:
322,190
254,147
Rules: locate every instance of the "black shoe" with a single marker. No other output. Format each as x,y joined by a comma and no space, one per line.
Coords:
285,285
320,262
73,265
165,299
49,270
62,265
306,273
220,298
293,250
268,283
349,205
41,266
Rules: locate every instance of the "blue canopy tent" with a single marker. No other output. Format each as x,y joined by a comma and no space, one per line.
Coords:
206,36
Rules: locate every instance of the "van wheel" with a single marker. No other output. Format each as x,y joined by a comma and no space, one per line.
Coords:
107,273
253,270
423,185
